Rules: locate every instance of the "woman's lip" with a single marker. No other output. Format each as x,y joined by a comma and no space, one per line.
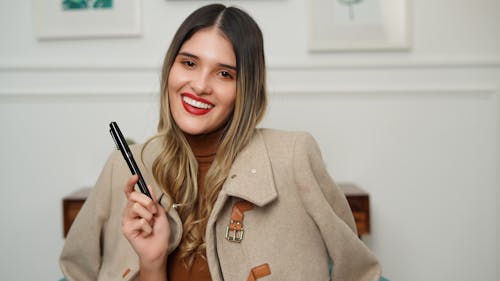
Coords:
195,110
196,98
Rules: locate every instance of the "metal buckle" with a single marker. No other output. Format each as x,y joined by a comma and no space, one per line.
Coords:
234,234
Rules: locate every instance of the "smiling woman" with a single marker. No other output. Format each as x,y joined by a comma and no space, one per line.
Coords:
226,196
202,80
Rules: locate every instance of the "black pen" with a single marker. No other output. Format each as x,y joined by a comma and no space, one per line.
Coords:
122,145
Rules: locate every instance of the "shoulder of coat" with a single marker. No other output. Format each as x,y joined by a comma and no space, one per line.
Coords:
283,136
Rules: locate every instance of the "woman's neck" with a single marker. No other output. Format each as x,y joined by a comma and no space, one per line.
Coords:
205,144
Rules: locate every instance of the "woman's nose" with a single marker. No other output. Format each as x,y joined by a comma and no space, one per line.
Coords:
201,84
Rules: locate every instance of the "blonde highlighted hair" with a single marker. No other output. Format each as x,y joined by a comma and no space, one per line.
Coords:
175,169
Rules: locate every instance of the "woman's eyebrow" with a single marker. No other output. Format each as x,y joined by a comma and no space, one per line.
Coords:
186,54
228,66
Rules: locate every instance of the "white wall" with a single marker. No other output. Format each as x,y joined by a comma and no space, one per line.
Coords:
417,129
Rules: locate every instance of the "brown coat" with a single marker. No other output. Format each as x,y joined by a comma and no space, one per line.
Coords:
299,222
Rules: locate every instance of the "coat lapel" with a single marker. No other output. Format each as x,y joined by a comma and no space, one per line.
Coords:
251,177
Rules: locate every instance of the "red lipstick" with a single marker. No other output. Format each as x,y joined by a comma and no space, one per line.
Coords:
194,109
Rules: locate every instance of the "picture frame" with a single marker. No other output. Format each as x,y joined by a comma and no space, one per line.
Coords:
60,19
359,25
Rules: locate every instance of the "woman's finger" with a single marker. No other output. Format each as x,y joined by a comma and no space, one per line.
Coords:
135,210
133,195
137,227
142,200
129,186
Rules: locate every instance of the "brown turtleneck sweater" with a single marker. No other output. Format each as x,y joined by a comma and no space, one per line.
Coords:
204,148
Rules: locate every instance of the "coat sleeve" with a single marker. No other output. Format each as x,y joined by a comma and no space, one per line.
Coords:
328,207
81,255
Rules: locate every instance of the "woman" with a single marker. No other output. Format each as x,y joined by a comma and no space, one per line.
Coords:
230,202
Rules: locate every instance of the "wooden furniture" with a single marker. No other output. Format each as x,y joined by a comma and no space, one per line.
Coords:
357,198
359,201
71,205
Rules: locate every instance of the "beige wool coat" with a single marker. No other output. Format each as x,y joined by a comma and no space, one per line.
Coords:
300,221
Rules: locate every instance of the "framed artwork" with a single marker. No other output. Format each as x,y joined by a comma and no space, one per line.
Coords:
357,25
54,19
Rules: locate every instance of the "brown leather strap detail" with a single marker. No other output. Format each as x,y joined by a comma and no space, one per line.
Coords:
239,208
259,271
126,272
234,231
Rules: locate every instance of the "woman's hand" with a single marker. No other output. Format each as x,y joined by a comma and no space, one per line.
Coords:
145,225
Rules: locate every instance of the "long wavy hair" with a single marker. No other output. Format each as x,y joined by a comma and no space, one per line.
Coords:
175,169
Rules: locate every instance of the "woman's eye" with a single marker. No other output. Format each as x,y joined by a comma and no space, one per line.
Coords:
226,74
188,63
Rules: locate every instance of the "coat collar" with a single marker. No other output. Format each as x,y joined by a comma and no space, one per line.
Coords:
251,177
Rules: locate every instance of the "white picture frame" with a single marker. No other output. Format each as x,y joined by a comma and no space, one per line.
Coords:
359,25
51,21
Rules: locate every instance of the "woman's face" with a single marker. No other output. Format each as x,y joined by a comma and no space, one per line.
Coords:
202,83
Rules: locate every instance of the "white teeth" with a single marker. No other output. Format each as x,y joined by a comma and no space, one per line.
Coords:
196,103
